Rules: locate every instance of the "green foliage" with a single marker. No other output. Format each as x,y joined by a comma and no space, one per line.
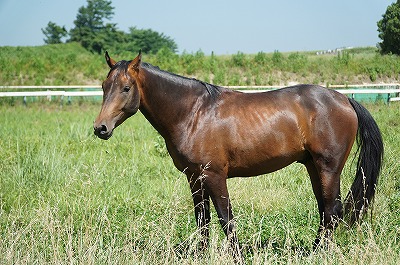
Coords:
389,29
60,64
148,40
297,62
55,64
94,32
277,59
67,197
90,29
192,62
239,59
219,77
261,58
343,58
54,33
167,60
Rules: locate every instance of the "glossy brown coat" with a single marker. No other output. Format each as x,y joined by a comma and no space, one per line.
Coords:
213,133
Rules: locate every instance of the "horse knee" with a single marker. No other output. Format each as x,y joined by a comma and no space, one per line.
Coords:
338,209
228,226
331,217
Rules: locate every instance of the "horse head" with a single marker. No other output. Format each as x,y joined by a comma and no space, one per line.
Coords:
121,96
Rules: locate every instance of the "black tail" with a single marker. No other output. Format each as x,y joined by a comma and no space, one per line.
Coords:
370,147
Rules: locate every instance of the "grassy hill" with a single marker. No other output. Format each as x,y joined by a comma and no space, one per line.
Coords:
64,64
59,64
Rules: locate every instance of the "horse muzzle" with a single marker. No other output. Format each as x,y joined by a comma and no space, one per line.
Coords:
102,131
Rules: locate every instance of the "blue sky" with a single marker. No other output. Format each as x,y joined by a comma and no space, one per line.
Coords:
224,27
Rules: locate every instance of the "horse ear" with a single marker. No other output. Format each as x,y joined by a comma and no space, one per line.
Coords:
110,61
136,62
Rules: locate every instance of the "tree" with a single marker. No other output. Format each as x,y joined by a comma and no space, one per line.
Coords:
389,30
95,34
147,40
54,33
90,27
150,41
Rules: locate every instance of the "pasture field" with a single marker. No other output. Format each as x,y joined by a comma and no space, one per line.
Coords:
67,197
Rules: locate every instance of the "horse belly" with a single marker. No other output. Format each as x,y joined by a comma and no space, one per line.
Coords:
255,165
273,152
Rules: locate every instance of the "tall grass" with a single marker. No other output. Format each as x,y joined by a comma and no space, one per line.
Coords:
63,64
69,198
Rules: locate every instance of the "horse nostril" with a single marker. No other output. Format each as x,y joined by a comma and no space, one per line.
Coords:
100,130
103,129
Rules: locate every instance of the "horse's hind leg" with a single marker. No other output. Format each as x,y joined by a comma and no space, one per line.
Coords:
326,187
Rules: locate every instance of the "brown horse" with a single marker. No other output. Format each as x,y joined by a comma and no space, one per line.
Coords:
213,133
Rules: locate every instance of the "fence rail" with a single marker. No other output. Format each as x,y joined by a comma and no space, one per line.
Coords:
52,87
388,89
397,85
50,93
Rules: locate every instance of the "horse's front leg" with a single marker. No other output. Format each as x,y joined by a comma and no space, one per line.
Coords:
217,188
201,201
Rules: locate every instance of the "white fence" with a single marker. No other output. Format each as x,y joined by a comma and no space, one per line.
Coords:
62,91
49,92
365,89
59,91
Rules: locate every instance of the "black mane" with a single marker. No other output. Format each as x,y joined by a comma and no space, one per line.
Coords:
213,90
119,65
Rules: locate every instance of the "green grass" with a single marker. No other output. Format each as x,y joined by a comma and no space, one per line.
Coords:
58,64
67,197
70,64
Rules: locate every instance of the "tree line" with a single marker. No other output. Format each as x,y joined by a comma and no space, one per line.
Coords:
94,31
95,34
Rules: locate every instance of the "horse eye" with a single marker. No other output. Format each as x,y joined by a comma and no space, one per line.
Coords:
126,89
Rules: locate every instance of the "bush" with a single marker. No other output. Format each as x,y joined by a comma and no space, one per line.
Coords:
297,62
65,64
278,59
239,60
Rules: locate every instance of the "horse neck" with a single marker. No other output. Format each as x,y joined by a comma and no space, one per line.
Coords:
168,101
